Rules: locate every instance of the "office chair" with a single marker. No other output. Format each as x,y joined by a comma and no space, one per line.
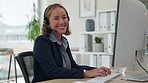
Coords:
25,61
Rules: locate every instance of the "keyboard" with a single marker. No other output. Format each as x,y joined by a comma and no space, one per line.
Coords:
103,79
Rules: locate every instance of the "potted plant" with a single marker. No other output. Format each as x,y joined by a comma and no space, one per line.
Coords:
98,40
98,45
33,26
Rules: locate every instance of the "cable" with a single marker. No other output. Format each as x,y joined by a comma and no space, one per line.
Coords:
139,62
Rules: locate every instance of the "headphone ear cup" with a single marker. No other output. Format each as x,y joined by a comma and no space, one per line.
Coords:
46,21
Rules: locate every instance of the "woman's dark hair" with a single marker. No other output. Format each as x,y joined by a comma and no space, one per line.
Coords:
45,27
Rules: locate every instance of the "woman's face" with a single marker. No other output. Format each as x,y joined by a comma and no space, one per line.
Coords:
58,20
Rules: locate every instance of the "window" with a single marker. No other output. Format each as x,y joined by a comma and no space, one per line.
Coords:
14,15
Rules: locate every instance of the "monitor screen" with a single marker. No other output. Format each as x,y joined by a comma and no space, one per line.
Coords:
131,24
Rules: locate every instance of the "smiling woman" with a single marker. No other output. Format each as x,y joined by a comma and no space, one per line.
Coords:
52,55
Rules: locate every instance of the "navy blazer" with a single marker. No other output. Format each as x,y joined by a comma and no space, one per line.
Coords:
48,62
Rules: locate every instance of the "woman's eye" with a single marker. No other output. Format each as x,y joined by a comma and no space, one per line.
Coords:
56,18
64,18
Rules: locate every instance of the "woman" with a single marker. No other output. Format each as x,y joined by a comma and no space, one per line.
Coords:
52,55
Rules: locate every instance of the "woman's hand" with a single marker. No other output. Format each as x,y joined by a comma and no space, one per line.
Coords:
102,71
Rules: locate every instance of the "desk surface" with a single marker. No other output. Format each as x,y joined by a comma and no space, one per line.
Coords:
116,80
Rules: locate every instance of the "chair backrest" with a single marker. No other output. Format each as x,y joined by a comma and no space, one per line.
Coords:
25,61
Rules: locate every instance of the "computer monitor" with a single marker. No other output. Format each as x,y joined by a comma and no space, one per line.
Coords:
131,24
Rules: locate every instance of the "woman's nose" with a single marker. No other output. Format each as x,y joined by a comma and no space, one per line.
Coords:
61,21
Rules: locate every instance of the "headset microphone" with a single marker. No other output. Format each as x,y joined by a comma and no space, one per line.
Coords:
49,28
46,25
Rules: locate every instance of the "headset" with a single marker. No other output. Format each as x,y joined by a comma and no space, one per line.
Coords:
46,21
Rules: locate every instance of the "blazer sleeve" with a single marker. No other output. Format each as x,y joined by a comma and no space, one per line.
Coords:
45,57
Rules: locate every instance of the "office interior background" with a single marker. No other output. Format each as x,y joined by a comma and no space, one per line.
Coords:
13,20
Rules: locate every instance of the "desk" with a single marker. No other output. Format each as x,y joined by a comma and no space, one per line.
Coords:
116,80
9,52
